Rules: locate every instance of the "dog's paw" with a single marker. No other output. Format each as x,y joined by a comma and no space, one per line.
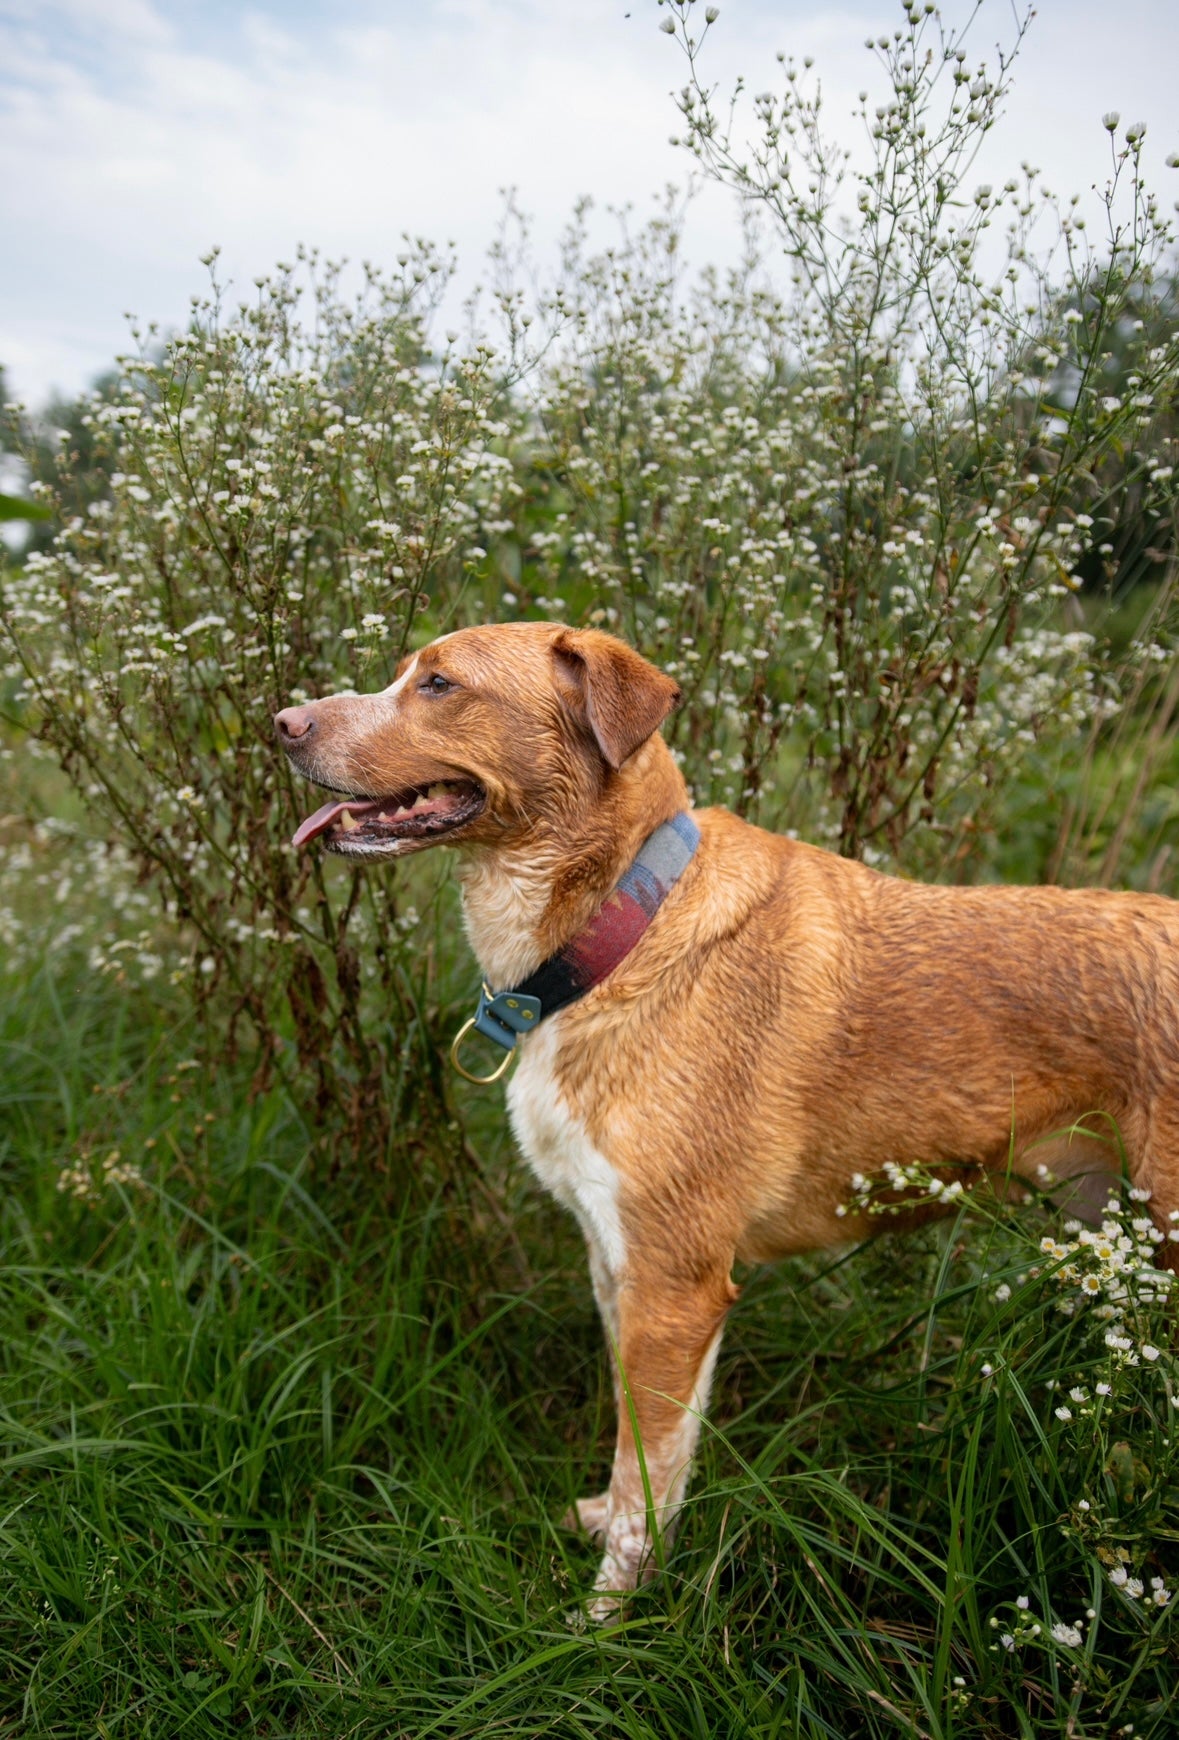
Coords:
605,1609
589,1516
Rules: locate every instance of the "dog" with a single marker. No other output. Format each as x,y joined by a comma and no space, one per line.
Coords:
729,1023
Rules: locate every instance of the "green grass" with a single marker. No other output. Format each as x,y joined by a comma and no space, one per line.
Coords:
283,1456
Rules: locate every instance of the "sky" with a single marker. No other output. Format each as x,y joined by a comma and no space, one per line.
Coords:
134,134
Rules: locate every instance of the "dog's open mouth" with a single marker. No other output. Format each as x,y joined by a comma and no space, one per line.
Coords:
421,813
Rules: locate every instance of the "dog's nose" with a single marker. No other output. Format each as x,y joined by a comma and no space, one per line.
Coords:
293,723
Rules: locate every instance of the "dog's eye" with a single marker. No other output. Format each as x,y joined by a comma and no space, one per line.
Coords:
436,685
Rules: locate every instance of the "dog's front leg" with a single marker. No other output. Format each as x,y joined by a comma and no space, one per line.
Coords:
592,1514
668,1336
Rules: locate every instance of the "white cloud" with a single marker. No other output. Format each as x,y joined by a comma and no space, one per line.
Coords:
132,137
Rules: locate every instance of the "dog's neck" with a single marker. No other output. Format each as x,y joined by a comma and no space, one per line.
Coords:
524,901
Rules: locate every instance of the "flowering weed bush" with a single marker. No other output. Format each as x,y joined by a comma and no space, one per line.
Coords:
935,511
851,513
287,490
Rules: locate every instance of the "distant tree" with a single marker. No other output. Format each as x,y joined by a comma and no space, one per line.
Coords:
1133,536
15,508
65,447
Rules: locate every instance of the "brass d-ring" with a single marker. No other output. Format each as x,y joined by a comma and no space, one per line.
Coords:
482,1080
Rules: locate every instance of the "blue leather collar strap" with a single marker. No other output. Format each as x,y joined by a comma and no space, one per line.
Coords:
502,1016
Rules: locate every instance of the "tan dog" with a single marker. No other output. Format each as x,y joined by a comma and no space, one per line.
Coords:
788,1018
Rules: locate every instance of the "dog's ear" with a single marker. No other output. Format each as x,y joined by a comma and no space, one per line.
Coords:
617,695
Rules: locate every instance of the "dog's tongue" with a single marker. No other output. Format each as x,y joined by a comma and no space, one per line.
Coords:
328,813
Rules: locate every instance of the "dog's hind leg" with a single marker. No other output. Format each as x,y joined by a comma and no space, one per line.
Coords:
668,1340
1158,1172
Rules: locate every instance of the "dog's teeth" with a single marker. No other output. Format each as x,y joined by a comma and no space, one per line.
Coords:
348,821
382,817
401,811
421,803
437,791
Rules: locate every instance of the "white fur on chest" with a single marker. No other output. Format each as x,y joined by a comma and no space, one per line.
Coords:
559,1150
504,899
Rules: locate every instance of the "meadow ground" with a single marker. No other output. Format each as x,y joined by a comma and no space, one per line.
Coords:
285,1428
284,1454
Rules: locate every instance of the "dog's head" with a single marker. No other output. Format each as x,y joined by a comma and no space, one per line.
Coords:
482,735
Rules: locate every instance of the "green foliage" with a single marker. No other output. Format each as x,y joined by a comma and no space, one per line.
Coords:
13,508
287,1458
